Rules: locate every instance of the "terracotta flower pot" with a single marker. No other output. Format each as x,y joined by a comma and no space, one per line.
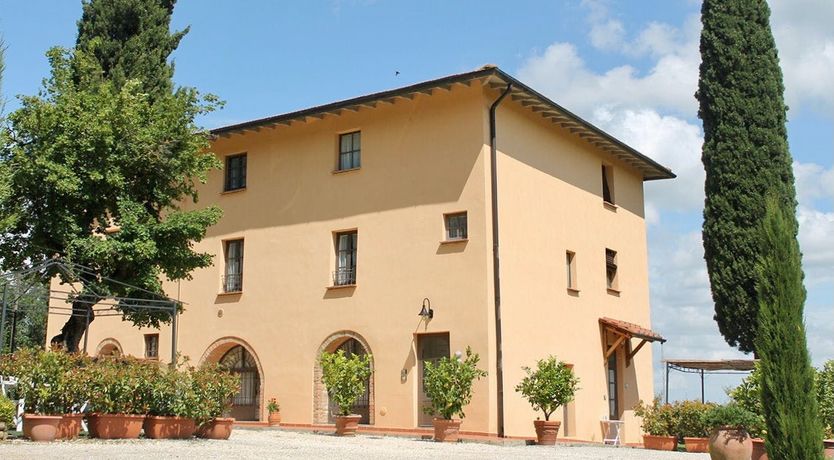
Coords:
92,425
69,426
659,442
446,430
546,431
40,427
217,428
169,427
759,452
274,418
346,425
118,426
829,448
730,443
696,444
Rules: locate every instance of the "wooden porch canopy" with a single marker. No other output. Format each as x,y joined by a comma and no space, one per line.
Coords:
627,331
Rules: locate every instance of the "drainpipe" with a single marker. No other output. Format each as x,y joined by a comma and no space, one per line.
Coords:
496,280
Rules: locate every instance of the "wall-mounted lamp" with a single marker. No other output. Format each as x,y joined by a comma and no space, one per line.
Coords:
426,311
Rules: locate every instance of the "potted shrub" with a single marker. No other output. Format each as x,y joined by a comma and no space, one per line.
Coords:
825,397
550,386
448,385
345,379
174,405
690,424
118,392
730,439
40,376
8,411
274,410
747,395
215,389
658,425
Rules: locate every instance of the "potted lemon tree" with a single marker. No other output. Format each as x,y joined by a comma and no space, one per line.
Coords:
345,376
448,385
659,425
547,388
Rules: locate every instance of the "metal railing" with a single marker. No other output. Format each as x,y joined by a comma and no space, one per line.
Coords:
232,282
344,276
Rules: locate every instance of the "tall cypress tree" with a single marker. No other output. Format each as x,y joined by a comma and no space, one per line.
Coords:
789,400
745,154
131,39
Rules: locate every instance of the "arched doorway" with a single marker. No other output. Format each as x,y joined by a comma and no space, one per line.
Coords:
245,405
324,410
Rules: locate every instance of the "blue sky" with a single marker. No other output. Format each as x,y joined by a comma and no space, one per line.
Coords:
630,70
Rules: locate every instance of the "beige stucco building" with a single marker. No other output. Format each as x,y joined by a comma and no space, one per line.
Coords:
340,220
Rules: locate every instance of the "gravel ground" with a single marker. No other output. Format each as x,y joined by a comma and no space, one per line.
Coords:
254,443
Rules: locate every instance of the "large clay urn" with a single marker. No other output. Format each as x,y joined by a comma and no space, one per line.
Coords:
730,443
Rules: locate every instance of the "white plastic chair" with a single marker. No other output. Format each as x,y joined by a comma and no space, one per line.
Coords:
611,430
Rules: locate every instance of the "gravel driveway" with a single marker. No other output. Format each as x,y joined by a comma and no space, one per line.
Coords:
264,443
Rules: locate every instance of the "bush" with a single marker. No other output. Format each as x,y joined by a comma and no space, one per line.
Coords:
448,384
690,419
825,397
50,382
345,377
658,419
122,385
550,386
730,416
748,395
8,411
214,388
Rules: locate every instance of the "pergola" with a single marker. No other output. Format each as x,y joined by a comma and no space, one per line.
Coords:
59,299
702,366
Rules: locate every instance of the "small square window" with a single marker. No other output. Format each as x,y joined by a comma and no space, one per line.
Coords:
570,268
235,172
607,184
233,273
611,269
350,149
152,346
456,227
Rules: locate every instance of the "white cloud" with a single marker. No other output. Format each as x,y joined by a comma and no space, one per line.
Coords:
805,39
815,239
608,34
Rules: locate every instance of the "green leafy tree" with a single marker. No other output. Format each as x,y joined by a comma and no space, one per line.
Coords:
552,385
345,377
788,394
448,384
99,165
27,300
745,155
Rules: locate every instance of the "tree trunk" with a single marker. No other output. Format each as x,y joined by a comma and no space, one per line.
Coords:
70,336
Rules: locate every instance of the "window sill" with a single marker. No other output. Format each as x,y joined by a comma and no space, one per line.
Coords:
614,292
458,240
340,171
341,286
229,192
229,293
573,291
610,206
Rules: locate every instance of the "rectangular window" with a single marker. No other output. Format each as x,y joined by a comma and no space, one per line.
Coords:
456,226
151,346
233,276
345,273
235,172
611,269
607,184
350,149
570,267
